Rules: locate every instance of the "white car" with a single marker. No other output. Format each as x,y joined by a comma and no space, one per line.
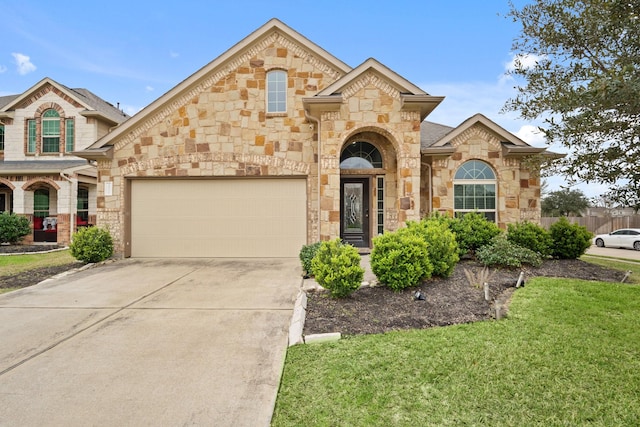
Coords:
623,238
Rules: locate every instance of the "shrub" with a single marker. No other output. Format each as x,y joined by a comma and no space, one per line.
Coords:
91,244
530,236
400,259
441,244
504,253
306,255
13,227
473,231
336,267
570,241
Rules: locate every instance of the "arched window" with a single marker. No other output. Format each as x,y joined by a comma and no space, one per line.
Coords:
474,188
41,203
51,132
277,91
360,155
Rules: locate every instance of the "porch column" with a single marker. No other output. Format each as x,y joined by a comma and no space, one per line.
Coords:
329,197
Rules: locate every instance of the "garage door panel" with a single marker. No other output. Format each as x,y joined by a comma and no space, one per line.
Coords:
218,218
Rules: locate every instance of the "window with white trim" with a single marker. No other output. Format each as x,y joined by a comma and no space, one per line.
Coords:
474,189
277,91
1,137
51,132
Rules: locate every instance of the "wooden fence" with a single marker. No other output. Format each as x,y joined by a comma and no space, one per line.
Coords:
598,224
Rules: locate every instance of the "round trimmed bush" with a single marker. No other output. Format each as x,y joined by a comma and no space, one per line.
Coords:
400,259
531,236
570,241
473,231
306,256
502,252
336,267
91,244
13,227
441,243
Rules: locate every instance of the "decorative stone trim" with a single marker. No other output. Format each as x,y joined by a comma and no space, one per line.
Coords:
7,183
217,157
476,132
409,116
47,181
224,70
367,79
42,92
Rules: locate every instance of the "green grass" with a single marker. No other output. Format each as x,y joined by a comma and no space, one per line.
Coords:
13,264
568,355
617,264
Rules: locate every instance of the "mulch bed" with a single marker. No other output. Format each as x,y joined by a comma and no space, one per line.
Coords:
447,301
35,276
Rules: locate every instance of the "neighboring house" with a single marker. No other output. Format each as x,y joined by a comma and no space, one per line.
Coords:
40,178
277,143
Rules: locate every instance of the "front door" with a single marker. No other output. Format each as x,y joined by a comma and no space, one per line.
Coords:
354,203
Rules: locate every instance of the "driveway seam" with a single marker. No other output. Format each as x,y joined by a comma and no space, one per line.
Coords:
97,322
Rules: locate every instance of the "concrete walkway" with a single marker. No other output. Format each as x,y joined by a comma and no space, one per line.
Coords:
614,252
148,343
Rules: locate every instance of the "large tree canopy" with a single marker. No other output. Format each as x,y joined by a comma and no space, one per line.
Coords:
580,60
564,203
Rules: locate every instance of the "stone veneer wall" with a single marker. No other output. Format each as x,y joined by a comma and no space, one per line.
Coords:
372,106
220,128
518,190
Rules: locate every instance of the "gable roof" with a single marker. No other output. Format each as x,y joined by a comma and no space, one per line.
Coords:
410,94
440,142
93,104
210,73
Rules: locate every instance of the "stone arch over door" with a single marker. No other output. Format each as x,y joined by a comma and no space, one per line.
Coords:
368,184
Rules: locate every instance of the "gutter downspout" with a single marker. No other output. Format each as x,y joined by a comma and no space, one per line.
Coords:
317,120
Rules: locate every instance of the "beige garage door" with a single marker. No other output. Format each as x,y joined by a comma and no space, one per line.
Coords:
218,218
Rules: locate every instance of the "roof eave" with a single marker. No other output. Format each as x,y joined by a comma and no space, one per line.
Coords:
102,153
438,151
317,104
98,115
425,103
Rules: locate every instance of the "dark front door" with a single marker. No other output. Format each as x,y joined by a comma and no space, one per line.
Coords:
354,203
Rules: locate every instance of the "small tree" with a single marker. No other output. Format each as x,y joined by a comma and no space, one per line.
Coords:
13,228
564,203
91,244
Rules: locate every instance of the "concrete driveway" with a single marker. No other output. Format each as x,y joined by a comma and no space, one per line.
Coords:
148,342
614,252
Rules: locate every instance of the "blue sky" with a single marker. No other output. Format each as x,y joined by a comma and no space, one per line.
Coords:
132,52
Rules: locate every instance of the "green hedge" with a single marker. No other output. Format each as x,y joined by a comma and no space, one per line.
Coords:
336,267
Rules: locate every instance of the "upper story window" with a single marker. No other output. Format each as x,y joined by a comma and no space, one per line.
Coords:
31,136
1,137
51,132
69,135
474,189
277,91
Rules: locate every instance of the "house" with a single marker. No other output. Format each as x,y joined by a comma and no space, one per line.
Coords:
40,178
277,143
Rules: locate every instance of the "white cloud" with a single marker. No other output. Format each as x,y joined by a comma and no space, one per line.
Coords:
24,64
149,88
525,61
2,69
173,54
532,136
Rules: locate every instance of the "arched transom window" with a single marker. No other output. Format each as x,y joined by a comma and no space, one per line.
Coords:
474,187
360,155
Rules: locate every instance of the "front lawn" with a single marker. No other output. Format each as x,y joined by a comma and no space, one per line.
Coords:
569,354
13,264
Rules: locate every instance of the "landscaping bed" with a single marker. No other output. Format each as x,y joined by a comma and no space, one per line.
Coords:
36,275
447,301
